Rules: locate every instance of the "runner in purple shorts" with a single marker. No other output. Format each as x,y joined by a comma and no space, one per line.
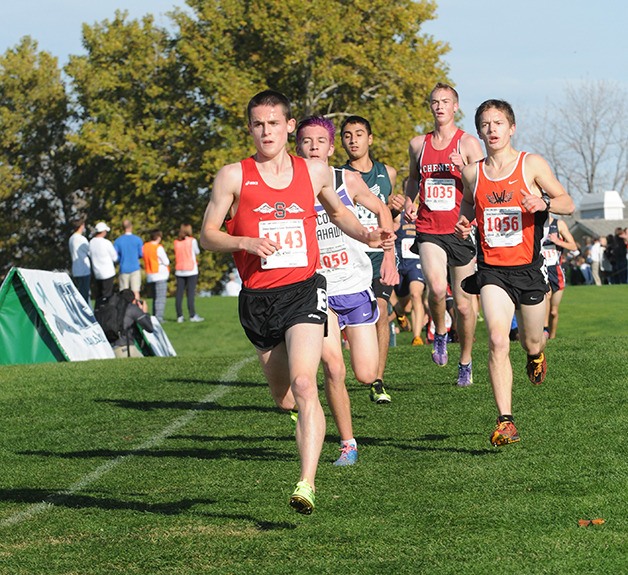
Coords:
351,301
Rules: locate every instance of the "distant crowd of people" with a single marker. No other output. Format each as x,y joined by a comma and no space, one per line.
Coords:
601,260
98,262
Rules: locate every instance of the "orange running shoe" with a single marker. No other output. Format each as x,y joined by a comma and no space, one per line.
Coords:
505,433
536,368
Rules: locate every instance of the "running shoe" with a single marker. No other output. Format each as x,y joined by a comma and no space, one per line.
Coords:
404,324
465,375
302,498
180,319
505,433
378,393
197,318
439,353
348,456
536,368
417,341
294,415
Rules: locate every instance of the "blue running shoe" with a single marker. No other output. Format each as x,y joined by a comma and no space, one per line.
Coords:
439,353
348,456
465,375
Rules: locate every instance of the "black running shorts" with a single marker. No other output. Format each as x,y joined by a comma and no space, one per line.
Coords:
459,252
526,286
266,314
380,290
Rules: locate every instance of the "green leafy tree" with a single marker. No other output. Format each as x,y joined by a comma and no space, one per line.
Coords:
157,112
140,138
336,58
36,176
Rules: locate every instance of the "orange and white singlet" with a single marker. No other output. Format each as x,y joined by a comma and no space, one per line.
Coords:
286,216
509,235
440,187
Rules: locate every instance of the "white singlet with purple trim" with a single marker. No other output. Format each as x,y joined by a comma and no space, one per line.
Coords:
343,261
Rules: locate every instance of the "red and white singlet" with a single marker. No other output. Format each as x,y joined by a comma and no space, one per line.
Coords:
286,216
440,187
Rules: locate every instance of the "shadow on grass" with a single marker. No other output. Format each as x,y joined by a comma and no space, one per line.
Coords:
240,438
425,443
243,454
79,501
184,406
215,382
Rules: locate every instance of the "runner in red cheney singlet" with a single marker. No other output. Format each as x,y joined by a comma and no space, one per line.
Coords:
434,182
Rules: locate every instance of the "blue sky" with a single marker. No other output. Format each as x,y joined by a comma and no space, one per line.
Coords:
526,52
521,51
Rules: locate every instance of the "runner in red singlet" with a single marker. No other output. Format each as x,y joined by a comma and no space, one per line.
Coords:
433,196
271,230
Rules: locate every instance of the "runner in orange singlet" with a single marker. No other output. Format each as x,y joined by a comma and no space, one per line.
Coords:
509,193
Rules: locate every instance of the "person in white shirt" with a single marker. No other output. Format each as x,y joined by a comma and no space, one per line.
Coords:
595,253
232,287
104,258
79,254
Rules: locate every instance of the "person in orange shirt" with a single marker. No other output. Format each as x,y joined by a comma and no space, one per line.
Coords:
157,267
510,193
186,271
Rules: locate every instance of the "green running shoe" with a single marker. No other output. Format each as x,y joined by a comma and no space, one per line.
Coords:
302,499
378,393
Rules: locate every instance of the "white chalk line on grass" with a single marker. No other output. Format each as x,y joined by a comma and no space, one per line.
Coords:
105,468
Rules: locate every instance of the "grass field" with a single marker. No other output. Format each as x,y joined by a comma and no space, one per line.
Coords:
183,465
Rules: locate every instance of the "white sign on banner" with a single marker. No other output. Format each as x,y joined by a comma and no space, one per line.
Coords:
158,340
67,315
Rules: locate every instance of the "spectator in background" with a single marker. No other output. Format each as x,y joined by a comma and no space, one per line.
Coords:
186,271
232,287
606,267
135,314
618,256
79,254
585,270
129,249
156,265
595,256
104,258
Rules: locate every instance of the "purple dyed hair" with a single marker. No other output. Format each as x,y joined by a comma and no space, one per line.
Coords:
317,121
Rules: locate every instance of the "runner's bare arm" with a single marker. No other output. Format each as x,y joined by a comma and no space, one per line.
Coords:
224,201
359,192
412,184
467,209
542,178
322,182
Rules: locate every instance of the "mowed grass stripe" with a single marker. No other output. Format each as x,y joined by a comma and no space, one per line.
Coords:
106,467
